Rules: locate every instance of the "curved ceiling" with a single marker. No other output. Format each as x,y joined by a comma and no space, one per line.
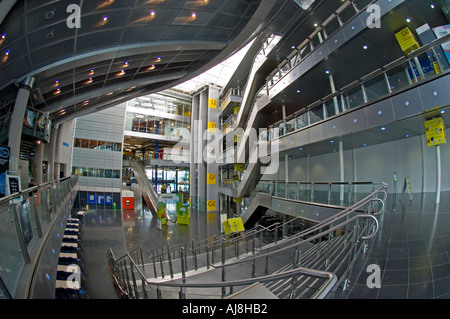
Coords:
122,48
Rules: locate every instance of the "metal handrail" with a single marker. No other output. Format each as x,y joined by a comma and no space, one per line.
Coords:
322,292
325,289
324,223
8,198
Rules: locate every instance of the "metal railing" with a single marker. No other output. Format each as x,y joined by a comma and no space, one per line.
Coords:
24,217
406,72
134,281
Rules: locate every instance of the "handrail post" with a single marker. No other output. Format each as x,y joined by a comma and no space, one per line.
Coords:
170,261
223,268
154,266
183,274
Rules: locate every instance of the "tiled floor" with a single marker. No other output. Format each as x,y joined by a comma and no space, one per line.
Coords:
412,248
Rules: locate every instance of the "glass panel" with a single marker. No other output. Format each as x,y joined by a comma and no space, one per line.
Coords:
332,27
331,108
354,97
376,88
316,114
302,120
11,260
399,78
290,126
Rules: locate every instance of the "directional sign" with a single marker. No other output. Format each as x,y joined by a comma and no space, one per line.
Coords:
435,132
212,103
211,206
211,179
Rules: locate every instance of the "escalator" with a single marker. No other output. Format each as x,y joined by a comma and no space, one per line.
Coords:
146,186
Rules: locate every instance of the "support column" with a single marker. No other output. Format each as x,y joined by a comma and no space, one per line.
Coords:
201,165
341,170
438,174
51,159
212,156
193,154
16,122
333,90
38,159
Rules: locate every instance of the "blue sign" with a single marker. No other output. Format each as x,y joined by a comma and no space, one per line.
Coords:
100,199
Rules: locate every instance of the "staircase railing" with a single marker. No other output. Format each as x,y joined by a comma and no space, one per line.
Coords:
134,282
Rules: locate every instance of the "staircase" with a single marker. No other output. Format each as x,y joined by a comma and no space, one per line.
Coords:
273,262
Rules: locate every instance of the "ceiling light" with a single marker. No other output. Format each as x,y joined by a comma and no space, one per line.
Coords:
316,25
122,72
152,13
3,36
151,67
383,128
365,47
432,6
7,52
408,20
92,72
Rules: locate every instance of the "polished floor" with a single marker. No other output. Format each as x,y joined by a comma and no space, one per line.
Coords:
412,248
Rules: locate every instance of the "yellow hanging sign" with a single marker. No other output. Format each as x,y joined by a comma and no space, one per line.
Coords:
407,40
435,132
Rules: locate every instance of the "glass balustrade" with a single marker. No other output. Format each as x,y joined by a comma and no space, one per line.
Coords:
23,217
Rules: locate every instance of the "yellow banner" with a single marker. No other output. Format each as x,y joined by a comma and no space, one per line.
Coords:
407,40
435,132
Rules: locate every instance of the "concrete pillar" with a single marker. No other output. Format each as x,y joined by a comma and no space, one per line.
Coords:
193,154
16,122
212,153
51,158
38,159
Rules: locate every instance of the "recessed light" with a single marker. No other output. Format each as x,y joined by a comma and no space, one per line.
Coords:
408,20
383,128
365,47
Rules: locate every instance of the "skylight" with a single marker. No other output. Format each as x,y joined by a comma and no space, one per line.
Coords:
218,75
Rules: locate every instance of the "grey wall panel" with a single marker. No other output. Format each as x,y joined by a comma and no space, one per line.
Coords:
407,104
435,94
380,113
356,121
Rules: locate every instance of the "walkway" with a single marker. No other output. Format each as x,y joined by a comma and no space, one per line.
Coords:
412,248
